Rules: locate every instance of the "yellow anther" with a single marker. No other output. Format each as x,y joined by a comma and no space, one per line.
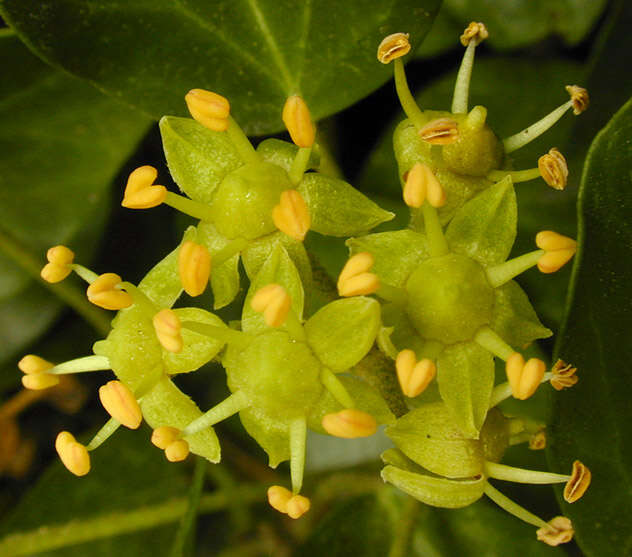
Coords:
291,215
177,451
558,530
524,379
393,46
563,375
39,381
34,364
349,423
104,293
168,330
60,259
476,31
415,186
121,404
274,302
554,169
579,98
298,121
441,131
279,497
559,250
163,436
538,441
414,376
355,280
194,267
208,108
140,191
578,484
297,506
74,455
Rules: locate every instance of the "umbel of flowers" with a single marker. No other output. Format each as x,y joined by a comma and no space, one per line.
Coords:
446,302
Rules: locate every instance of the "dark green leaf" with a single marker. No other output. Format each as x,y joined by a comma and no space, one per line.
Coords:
56,161
592,420
256,53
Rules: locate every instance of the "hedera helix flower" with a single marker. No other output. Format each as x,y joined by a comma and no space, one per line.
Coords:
457,146
249,200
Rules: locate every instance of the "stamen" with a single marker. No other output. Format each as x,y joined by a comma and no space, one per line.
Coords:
524,379
73,455
558,250
163,436
415,186
298,121
168,330
520,475
297,506
579,98
558,530
225,409
291,215
504,272
298,439
476,118
490,340
208,108
554,169
81,365
516,176
442,131
121,404
513,508
241,143
354,279
274,302
471,38
103,434
563,375
414,376
349,424
177,451
578,102
537,442
84,273
392,47
194,267
37,373
140,191
299,165
223,334
34,364
279,497
104,292
578,482
229,250
336,388
437,244
188,206
59,264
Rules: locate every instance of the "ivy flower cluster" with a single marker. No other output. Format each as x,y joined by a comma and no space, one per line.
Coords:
438,299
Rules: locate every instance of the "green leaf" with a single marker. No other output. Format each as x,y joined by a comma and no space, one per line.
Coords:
485,227
465,373
515,319
225,277
278,269
337,209
522,22
342,332
428,436
198,158
592,420
151,54
397,254
438,492
57,161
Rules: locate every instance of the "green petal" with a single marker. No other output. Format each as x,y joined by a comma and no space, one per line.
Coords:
282,153
198,158
255,255
485,227
428,436
225,277
166,405
342,332
278,269
515,319
404,335
337,209
397,458
162,283
198,349
465,373
397,254
273,435
365,397
438,492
